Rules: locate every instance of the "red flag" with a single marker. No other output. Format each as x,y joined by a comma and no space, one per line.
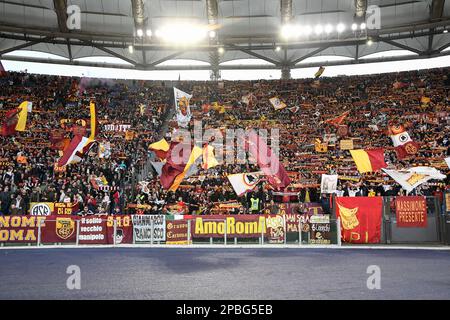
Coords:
360,218
9,125
3,72
175,164
267,161
408,149
338,121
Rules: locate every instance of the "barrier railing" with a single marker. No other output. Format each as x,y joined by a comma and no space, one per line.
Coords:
117,230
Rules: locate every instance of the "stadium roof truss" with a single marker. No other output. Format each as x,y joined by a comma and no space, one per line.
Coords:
244,29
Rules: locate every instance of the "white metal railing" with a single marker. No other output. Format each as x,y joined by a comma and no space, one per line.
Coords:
189,236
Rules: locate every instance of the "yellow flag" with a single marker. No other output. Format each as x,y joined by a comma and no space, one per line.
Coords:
209,160
23,113
162,145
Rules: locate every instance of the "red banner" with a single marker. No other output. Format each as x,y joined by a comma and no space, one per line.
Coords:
124,229
411,212
59,229
360,218
177,232
20,228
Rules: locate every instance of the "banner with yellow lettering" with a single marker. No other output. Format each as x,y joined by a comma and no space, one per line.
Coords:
239,226
360,218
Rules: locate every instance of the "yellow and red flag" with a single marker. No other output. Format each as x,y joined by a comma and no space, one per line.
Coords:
368,160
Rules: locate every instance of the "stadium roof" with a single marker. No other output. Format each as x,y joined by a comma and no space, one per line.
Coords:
244,29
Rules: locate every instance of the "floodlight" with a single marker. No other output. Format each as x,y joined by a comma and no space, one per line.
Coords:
318,29
328,28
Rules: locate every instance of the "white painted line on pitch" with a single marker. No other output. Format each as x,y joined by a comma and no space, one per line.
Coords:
231,246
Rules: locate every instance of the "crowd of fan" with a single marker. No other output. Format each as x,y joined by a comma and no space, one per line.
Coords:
373,103
27,159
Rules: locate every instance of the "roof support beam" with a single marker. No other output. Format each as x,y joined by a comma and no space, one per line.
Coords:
252,53
308,55
226,67
110,52
286,11
445,46
23,45
169,57
69,50
401,46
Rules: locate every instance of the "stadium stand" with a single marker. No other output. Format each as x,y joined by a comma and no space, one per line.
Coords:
117,175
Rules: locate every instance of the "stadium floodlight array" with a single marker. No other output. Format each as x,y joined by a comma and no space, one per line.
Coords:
291,31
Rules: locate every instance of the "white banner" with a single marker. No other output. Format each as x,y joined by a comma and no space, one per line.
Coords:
148,227
329,183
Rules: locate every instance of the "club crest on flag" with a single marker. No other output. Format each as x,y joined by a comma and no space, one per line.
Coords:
65,227
250,180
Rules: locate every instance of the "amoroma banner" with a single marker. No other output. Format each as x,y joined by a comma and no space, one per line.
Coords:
239,226
360,218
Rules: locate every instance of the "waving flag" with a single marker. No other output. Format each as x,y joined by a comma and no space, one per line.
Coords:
338,120
183,110
411,178
195,154
23,109
3,72
267,161
79,146
319,72
277,103
447,161
16,119
249,99
160,148
244,182
404,145
175,164
368,160
209,160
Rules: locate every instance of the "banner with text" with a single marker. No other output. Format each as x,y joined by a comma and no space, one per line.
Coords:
411,212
